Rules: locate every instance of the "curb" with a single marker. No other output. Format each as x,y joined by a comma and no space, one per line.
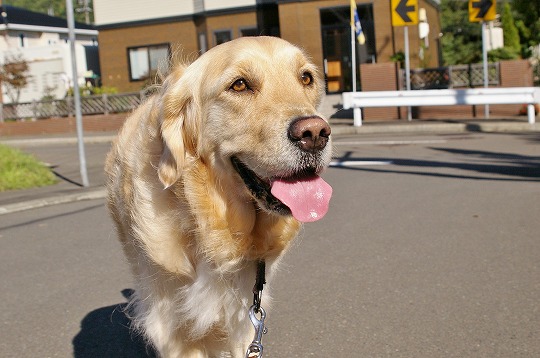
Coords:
100,193
35,142
438,128
370,128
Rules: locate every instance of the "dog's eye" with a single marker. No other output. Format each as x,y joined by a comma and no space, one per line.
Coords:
239,85
307,78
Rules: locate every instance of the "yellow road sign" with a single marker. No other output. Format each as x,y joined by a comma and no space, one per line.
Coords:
404,12
482,10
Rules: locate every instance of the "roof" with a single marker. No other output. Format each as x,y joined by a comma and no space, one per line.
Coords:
11,15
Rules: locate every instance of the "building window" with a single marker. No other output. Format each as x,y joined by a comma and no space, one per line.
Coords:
222,36
249,32
146,61
22,40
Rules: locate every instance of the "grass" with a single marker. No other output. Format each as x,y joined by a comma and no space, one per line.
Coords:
19,170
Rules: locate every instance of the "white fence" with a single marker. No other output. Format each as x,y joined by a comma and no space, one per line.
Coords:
449,97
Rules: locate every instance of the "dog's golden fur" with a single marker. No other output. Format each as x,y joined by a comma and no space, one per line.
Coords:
190,228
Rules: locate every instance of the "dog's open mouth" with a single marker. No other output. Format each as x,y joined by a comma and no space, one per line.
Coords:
305,195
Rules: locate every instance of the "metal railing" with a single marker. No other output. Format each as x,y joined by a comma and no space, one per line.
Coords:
459,76
99,104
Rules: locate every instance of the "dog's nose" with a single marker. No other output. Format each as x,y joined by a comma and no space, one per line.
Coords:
310,133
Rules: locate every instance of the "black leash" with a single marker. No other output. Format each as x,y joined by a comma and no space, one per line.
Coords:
260,281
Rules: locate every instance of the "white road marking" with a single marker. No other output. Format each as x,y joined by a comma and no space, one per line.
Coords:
392,142
358,163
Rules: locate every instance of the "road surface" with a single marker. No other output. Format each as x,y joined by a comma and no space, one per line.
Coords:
430,249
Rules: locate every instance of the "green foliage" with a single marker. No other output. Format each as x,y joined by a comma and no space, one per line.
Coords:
536,73
48,93
510,31
57,7
528,23
503,53
104,90
462,40
398,57
91,91
22,171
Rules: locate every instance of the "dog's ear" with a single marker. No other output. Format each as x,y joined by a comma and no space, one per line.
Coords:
179,128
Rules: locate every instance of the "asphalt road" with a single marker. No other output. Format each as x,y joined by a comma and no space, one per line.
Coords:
431,249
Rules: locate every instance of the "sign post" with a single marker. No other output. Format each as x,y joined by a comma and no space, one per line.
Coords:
405,13
483,11
407,67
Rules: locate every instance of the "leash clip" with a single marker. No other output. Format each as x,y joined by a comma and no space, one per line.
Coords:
255,349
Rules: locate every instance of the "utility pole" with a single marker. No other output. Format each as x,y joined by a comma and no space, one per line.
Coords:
84,6
76,94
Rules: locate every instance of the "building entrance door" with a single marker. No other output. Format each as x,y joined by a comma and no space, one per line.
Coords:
336,43
337,59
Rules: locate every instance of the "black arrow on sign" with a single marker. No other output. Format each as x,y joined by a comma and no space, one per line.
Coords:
402,10
483,6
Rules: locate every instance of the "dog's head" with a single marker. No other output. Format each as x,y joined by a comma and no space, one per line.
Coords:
247,108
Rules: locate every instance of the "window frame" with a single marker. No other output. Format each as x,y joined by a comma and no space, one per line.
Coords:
244,30
216,32
148,48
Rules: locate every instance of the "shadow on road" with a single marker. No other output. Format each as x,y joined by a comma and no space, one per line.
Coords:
105,333
49,217
481,165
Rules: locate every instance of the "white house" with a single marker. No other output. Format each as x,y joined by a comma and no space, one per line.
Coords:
42,41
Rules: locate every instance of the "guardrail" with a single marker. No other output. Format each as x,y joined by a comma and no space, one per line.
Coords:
471,96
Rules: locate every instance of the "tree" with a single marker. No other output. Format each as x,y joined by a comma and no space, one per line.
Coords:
510,31
512,45
56,8
462,40
14,74
528,23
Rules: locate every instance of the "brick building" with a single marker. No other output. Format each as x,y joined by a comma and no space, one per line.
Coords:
135,36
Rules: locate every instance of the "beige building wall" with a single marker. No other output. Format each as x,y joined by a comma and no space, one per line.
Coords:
211,5
303,29
235,23
114,43
300,24
121,11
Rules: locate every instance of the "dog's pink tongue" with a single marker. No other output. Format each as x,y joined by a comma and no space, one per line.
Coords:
307,198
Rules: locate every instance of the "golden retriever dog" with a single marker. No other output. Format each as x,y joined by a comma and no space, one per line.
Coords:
212,174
